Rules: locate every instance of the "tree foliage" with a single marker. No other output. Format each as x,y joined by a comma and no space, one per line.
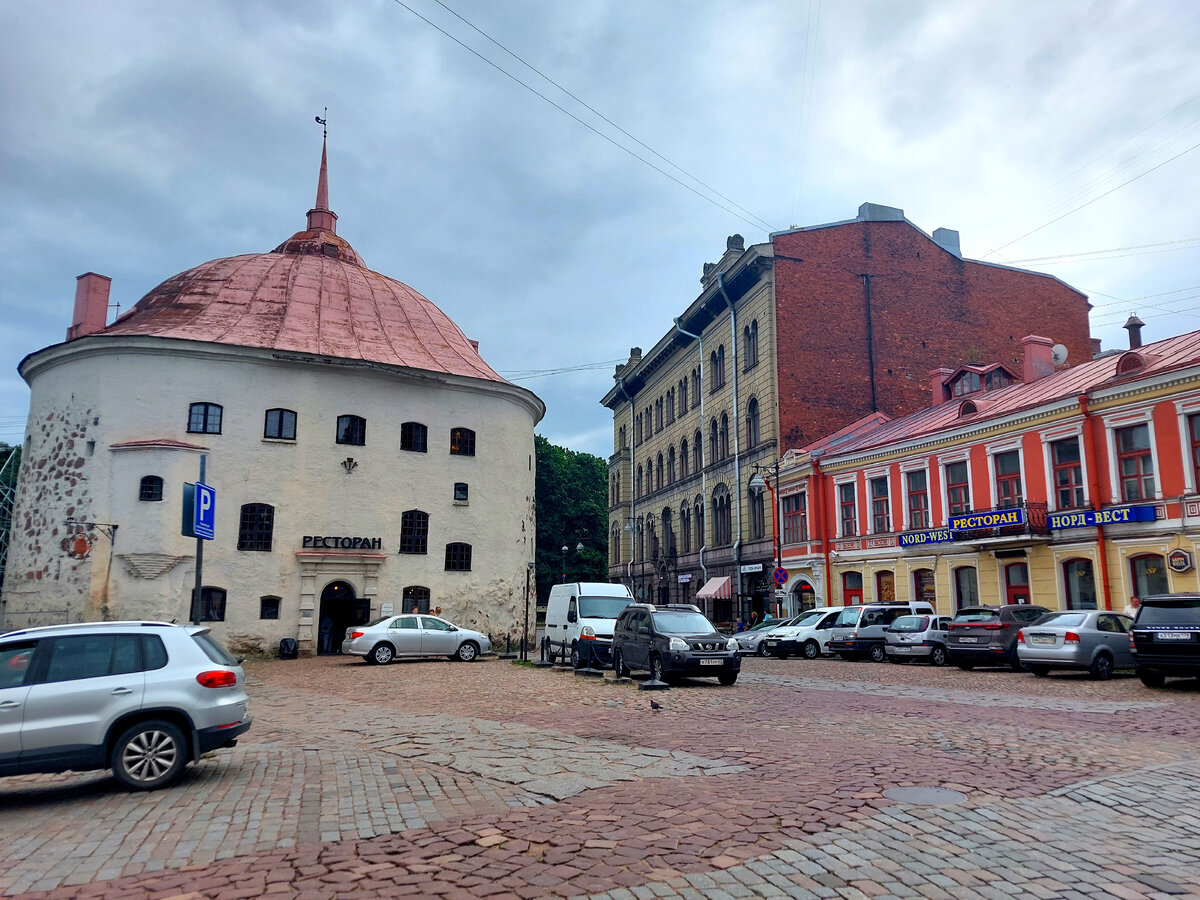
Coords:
572,509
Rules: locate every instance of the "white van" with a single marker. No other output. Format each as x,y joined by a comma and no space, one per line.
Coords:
579,611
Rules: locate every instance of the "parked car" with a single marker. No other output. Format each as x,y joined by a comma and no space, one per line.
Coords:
579,621
987,635
917,637
1165,638
672,641
1077,639
144,699
392,637
860,631
806,636
752,641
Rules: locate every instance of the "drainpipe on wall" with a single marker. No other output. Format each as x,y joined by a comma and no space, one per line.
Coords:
1089,440
633,485
737,430
703,475
819,514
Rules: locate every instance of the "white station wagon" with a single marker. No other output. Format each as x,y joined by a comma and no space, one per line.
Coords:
383,640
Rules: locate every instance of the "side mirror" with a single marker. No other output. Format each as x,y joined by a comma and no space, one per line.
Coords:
571,617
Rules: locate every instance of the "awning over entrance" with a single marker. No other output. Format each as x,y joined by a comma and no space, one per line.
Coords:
715,588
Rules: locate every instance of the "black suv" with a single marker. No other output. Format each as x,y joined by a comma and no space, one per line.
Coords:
1165,638
671,642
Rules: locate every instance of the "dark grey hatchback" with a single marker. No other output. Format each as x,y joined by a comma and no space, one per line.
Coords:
672,642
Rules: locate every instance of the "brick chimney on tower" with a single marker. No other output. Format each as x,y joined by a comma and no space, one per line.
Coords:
91,305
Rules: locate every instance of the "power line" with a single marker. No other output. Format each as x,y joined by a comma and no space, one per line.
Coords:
1103,254
586,125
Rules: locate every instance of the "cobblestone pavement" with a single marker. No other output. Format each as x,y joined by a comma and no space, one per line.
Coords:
439,779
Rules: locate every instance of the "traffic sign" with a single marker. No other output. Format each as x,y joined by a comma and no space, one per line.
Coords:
781,576
199,511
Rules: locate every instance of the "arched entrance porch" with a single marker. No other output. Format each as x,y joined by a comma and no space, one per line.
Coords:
340,609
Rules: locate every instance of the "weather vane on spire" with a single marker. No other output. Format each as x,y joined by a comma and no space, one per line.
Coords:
321,122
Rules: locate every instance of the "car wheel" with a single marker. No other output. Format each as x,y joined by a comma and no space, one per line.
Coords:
727,678
1153,679
381,654
762,649
576,659
467,651
149,755
619,666
547,653
965,665
937,655
1014,663
877,653
656,668
1040,671
811,649
1102,667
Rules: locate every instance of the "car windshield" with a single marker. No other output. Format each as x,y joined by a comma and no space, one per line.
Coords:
602,607
1063,619
681,623
910,623
770,623
848,616
976,615
806,618
1186,612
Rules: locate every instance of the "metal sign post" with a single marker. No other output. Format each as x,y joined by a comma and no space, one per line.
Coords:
199,521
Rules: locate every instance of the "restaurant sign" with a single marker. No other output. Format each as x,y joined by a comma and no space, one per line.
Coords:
317,542
996,518
1111,516
916,538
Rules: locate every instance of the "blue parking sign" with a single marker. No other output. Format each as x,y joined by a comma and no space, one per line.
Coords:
199,511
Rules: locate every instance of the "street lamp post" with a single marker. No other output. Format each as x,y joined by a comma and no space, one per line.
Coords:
757,483
565,550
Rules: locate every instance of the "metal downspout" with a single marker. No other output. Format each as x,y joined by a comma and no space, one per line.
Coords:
819,492
1089,433
703,474
632,484
737,430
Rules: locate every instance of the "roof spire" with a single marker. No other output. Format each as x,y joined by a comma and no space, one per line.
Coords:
320,218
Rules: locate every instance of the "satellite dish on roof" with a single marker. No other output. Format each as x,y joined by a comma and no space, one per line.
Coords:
1058,354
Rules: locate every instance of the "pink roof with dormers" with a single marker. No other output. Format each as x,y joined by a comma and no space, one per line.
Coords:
312,294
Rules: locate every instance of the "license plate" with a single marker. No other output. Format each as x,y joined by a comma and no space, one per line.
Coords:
902,649
1172,635
772,643
968,640
1039,639
712,662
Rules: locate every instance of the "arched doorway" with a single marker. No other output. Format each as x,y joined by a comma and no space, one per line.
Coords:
804,597
340,608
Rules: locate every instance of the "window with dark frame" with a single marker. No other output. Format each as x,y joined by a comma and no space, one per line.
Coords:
204,418
753,432
352,430
460,491
418,596
414,531
255,526
917,483
150,488
698,517
958,488
758,515
212,604
280,424
413,436
268,607
462,441
1068,474
1135,463
880,519
458,557
1008,479
847,508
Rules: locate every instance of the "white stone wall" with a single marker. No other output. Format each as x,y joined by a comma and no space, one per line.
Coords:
111,390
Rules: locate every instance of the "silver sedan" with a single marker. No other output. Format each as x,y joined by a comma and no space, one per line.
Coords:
393,637
1095,640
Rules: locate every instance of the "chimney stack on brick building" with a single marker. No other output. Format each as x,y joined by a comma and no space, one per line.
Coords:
937,385
1038,357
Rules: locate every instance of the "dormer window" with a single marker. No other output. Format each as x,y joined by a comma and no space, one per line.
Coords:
996,379
968,407
971,380
1130,362
966,383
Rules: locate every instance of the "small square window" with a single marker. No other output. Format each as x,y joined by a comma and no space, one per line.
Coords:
352,430
204,418
151,488
413,437
460,491
462,442
458,557
268,608
280,424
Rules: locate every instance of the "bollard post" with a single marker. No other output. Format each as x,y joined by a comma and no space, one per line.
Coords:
587,669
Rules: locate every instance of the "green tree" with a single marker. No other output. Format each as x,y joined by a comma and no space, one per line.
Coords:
572,509
10,463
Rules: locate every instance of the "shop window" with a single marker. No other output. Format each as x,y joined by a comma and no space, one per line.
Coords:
414,532
256,525
204,418
1008,479
280,424
212,604
917,483
795,521
925,587
1016,583
1149,574
414,437
880,518
1135,463
1079,583
1068,474
847,509
151,488
885,587
416,599
852,584
462,442
352,430
966,587
268,607
958,489
458,557
461,491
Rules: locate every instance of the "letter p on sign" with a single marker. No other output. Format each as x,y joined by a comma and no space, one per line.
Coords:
205,512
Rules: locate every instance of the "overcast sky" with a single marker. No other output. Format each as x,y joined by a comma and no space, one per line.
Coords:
141,139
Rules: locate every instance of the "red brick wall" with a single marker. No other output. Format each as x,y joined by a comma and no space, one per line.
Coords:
928,309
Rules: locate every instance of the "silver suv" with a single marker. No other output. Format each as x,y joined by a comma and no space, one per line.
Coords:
142,698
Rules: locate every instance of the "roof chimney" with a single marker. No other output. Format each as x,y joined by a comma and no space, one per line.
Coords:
1134,326
91,305
1095,342
1038,355
937,385
947,239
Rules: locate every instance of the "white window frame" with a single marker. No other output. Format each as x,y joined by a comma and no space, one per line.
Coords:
1051,436
1126,420
906,513
1184,409
1005,446
838,481
949,459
